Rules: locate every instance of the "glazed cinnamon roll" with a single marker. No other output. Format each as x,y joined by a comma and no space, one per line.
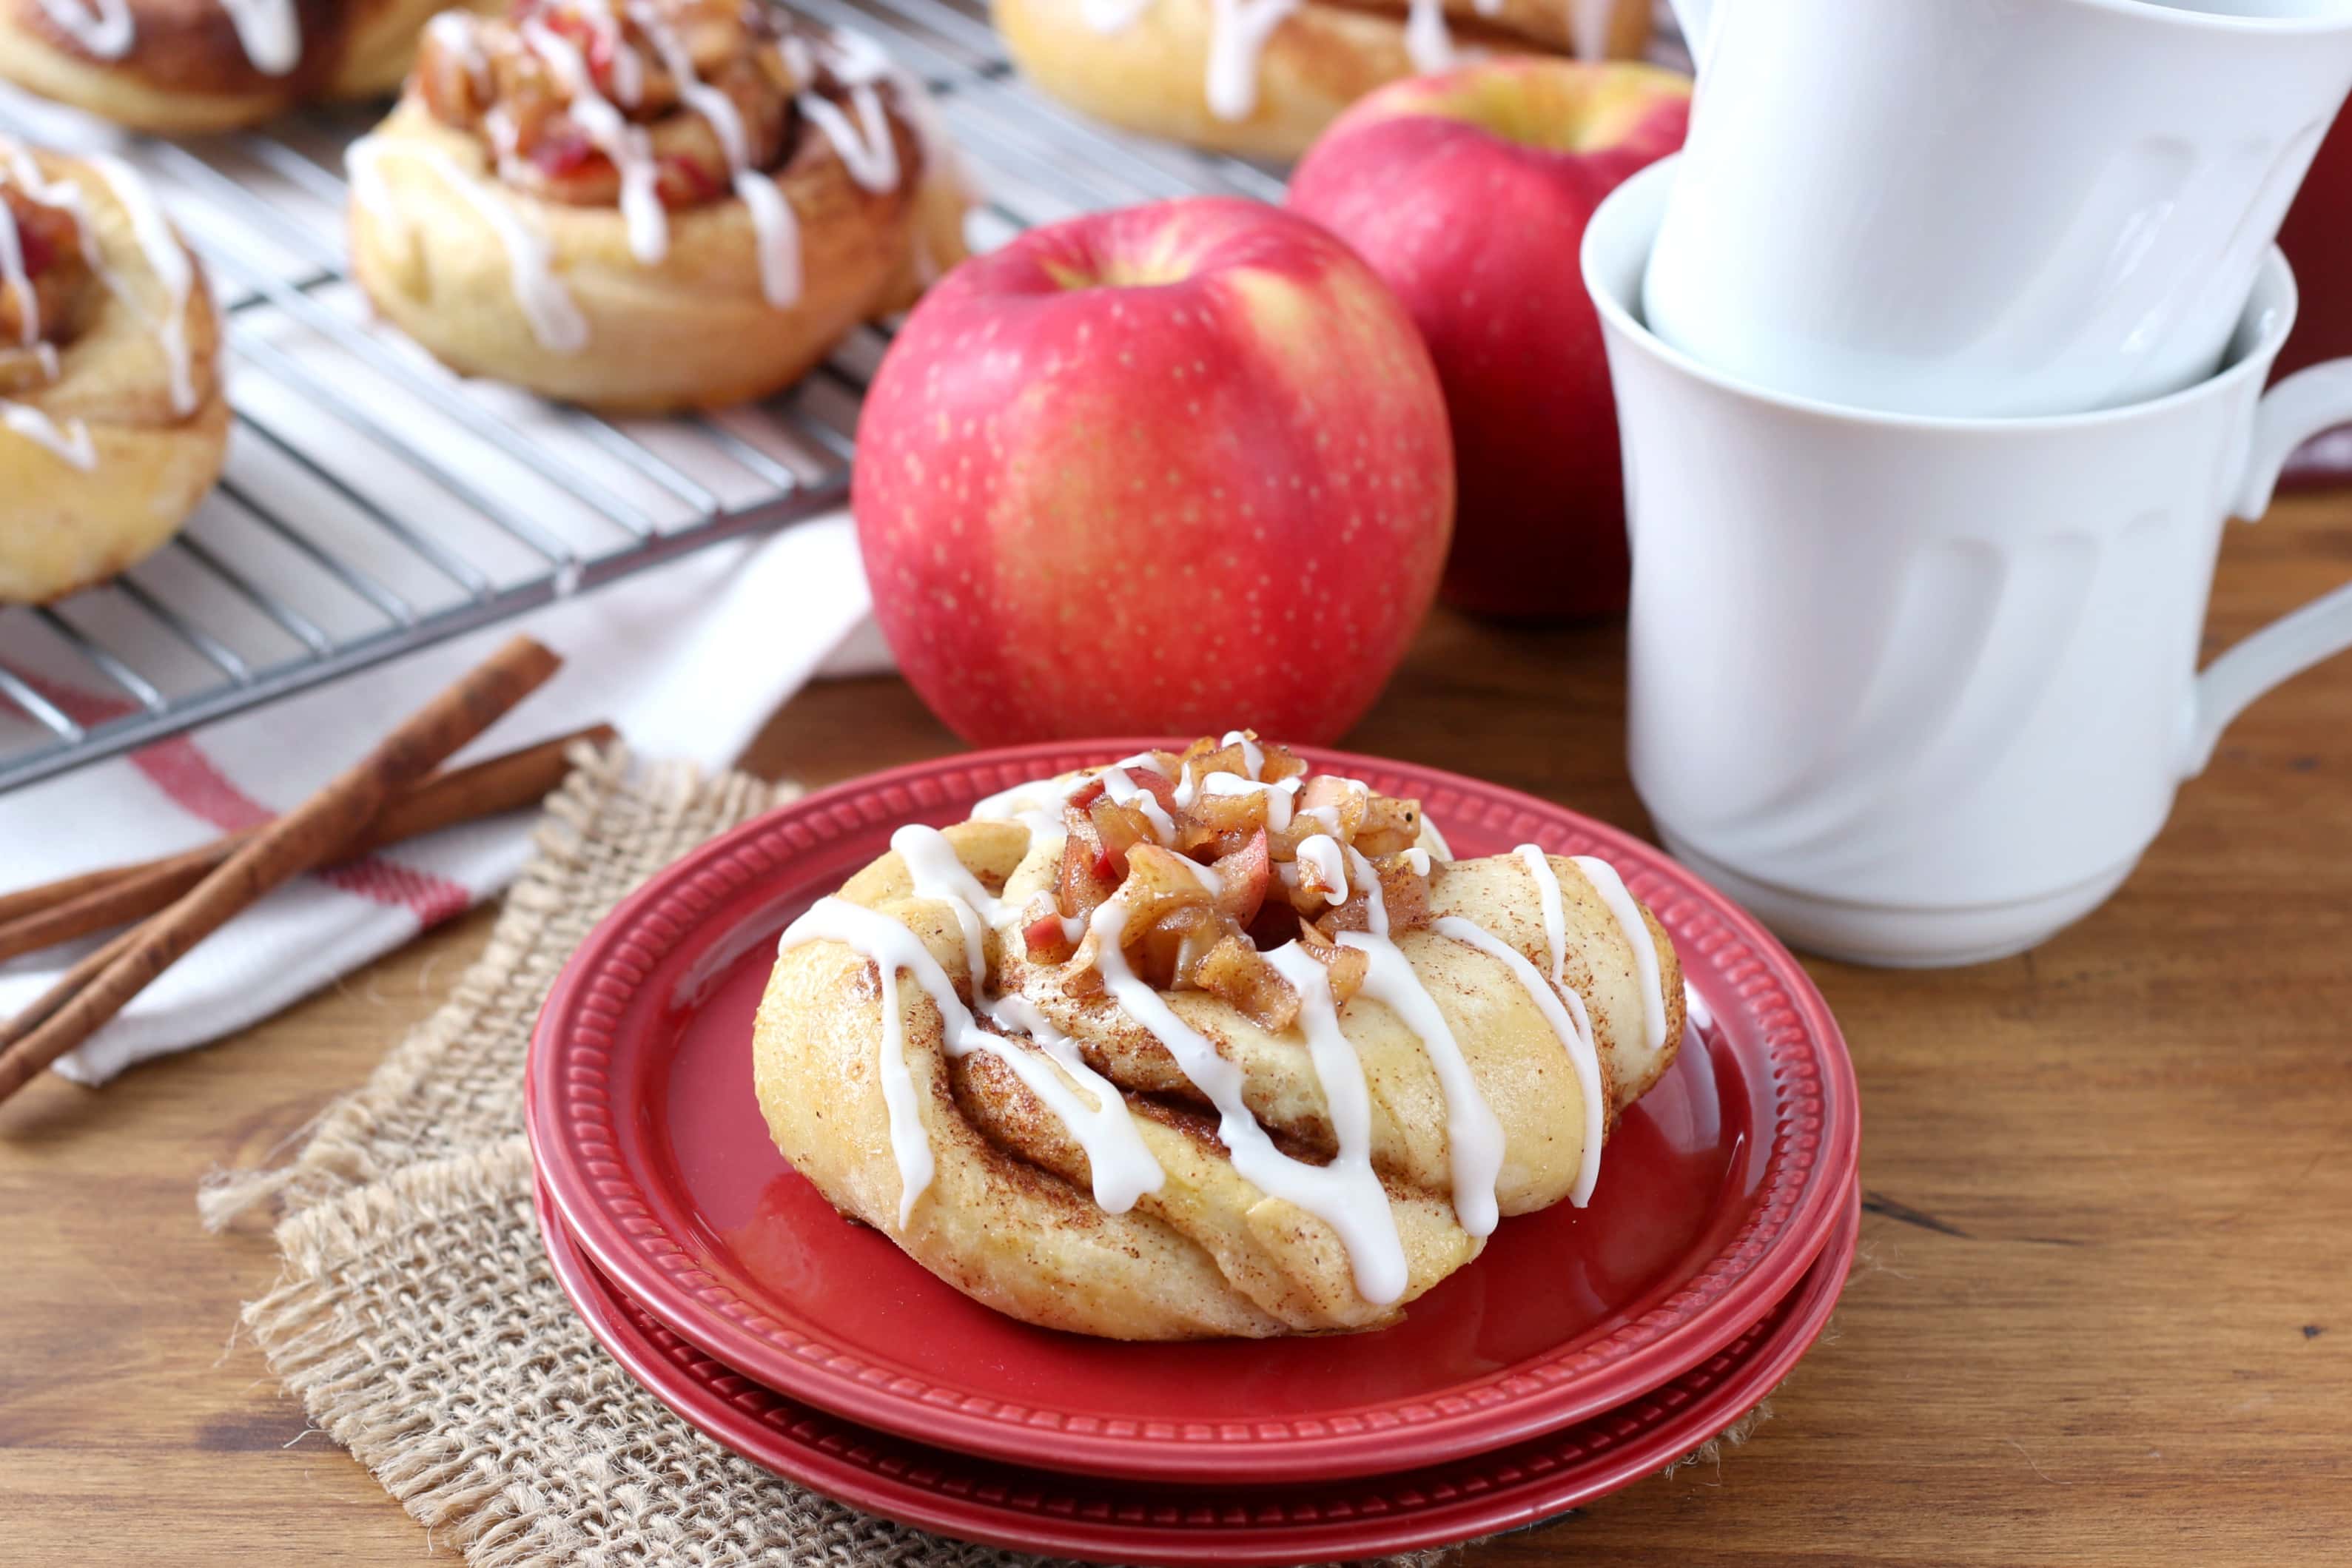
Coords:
177,66
643,204
1203,1045
113,421
1263,78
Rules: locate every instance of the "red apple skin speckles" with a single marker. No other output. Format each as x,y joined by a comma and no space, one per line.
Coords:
1168,470
1478,235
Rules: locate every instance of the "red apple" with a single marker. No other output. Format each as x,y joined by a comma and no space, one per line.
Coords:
1168,470
1469,193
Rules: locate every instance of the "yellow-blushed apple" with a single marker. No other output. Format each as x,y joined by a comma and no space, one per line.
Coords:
1468,192
1178,468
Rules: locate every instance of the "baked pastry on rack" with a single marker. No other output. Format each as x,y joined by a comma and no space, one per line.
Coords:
649,203
1203,1045
112,420
1263,78
181,66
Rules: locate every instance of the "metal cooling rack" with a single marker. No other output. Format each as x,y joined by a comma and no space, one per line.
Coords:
375,502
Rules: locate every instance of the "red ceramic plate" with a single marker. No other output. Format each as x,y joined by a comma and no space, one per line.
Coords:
1717,1192
1125,1521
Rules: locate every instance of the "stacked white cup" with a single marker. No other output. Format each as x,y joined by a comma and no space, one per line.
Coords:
1939,355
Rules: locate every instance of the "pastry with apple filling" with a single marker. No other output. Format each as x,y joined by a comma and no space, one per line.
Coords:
113,423
1205,1044
645,204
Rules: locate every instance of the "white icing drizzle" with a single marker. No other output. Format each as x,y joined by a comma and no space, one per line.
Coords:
1238,31
13,275
1252,754
103,28
457,33
504,138
168,261
1554,911
1564,1011
46,356
1321,851
1347,1198
555,320
1113,15
1417,859
625,144
1367,879
71,443
1473,1137
867,149
937,871
777,231
1611,889
1278,796
1122,1167
270,33
1426,41
1125,791
1368,1229
857,60
774,228
1035,805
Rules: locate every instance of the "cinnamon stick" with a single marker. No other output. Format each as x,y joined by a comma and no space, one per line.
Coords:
58,911
306,837
68,985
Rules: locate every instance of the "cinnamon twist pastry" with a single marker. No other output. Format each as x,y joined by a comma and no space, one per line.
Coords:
1263,78
181,65
1199,1045
643,204
112,420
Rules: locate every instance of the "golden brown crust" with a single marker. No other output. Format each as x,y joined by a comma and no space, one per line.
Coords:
70,525
1009,1217
1150,74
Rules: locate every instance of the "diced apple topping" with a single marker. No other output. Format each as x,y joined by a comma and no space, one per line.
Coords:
1193,843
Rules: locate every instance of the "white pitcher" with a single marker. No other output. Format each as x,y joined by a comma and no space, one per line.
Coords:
1986,207
1920,690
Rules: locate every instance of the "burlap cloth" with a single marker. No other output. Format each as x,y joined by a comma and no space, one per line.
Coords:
417,1318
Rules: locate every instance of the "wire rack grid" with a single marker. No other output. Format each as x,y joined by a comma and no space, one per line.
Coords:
375,502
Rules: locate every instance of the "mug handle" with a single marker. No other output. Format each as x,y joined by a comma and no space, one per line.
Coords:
2290,413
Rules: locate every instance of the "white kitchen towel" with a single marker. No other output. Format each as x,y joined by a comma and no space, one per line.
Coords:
688,660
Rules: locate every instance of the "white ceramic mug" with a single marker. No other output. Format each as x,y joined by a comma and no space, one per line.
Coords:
1986,207
1920,690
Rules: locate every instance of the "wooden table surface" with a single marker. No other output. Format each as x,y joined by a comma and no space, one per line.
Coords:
2103,1314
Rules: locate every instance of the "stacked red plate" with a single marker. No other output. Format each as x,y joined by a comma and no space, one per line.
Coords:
1583,1350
